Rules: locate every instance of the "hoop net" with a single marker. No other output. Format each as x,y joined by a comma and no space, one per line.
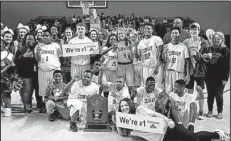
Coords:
86,5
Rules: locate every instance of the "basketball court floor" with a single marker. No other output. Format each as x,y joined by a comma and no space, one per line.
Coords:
35,126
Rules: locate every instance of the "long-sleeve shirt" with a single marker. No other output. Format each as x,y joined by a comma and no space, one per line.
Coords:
25,66
218,66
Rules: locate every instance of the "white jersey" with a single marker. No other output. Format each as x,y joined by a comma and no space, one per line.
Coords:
110,60
95,79
176,56
147,99
81,92
135,60
123,53
149,50
80,59
49,56
115,96
183,104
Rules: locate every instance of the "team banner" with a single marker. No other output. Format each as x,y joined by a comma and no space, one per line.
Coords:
80,49
141,123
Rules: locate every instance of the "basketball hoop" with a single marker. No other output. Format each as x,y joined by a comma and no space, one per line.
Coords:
86,5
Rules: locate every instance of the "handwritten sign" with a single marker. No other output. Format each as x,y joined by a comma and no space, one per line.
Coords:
80,49
141,123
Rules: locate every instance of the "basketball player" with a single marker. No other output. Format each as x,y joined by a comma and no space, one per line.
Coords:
79,91
147,96
195,45
47,54
184,103
110,59
80,63
183,34
137,64
125,58
117,91
176,61
56,98
149,50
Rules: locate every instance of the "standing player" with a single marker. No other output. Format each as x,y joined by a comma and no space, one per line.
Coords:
195,45
137,64
80,63
183,34
47,54
176,58
149,50
110,59
125,58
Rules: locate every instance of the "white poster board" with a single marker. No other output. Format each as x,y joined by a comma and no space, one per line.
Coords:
80,49
141,123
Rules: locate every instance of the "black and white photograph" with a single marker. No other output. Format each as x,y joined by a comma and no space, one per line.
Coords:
115,70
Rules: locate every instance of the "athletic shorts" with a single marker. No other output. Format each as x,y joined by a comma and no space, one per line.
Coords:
138,75
44,78
199,80
170,78
147,72
111,76
78,70
127,72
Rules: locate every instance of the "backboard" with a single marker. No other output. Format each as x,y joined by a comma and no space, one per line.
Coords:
96,4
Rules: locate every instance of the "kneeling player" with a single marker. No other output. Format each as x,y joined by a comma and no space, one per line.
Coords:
56,98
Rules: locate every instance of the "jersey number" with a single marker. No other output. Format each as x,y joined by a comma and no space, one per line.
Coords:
125,55
47,58
114,101
173,60
114,63
147,56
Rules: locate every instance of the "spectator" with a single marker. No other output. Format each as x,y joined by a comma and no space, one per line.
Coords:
218,67
25,64
183,34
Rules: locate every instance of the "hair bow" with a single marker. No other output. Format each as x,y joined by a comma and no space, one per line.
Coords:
40,27
7,29
23,26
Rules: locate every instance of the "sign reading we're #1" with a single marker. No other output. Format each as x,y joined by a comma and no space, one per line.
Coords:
141,123
80,49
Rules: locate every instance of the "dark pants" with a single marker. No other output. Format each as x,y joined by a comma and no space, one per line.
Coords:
39,100
180,133
66,77
215,90
6,95
26,93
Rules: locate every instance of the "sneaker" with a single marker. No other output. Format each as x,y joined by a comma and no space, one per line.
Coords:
200,117
51,117
219,116
28,111
2,109
191,128
223,135
42,110
210,114
73,126
7,112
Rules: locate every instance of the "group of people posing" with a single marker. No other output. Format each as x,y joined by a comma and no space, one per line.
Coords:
147,76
